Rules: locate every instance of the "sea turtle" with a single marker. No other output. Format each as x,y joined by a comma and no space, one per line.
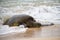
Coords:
26,20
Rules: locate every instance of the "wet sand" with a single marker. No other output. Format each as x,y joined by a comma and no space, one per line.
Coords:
42,33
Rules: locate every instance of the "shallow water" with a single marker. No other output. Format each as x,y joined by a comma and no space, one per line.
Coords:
43,13
5,29
42,32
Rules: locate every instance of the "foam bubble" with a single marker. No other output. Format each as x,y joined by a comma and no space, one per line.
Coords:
5,29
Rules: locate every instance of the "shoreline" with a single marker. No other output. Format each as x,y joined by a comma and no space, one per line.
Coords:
42,33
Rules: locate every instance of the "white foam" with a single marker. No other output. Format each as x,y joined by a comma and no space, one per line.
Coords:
5,29
49,13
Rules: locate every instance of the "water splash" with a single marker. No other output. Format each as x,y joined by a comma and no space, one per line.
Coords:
5,29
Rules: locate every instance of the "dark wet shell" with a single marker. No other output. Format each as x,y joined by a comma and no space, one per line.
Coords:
18,20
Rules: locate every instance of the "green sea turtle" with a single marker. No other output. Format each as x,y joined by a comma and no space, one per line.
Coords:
26,20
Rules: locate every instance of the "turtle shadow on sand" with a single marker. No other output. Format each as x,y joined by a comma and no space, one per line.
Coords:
23,19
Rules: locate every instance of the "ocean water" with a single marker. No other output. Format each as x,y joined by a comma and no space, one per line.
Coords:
40,13
42,10
5,29
44,13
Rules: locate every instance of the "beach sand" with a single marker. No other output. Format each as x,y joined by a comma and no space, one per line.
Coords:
42,33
